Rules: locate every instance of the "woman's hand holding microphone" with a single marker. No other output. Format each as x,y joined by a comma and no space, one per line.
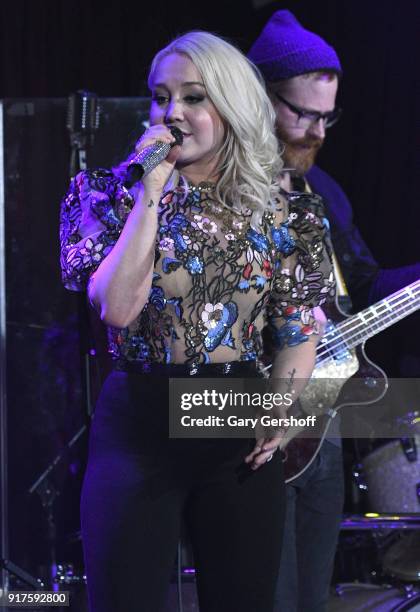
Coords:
156,154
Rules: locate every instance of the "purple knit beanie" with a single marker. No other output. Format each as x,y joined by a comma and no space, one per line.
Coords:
285,49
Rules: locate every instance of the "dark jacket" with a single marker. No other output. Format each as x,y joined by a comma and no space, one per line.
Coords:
366,281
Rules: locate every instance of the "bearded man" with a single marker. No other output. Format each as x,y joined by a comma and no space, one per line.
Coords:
302,74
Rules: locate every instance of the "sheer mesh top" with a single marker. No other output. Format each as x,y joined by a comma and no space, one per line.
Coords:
216,280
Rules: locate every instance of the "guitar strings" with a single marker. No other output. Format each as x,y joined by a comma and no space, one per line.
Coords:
346,343
349,339
401,300
350,330
362,325
375,308
387,316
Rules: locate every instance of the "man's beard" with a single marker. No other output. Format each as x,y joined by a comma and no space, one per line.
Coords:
299,154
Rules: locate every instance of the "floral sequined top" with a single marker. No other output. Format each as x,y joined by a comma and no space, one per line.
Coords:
216,280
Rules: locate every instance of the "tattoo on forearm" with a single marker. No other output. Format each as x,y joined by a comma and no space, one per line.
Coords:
150,204
291,379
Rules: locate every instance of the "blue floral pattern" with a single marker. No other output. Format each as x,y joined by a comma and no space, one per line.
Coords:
215,284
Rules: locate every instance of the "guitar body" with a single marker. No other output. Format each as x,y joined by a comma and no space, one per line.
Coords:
366,386
344,377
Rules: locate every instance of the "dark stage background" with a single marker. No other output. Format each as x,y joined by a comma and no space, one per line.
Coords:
51,48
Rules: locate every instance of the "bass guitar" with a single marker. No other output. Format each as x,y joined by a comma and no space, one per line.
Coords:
340,359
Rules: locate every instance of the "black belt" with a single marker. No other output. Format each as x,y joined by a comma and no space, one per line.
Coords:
234,369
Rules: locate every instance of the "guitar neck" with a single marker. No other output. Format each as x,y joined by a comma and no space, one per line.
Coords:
360,327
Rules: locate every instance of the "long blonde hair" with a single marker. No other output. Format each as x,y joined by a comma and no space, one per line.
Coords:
249,159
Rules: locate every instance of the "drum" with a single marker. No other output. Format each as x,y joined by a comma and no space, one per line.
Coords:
392,475
360,597
402,559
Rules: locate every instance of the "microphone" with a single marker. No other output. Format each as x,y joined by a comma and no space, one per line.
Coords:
145,161
82,122
83,114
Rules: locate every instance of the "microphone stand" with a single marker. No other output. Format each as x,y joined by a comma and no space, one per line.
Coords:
82,122
48,493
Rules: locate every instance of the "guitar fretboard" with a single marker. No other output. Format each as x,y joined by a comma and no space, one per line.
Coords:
369,322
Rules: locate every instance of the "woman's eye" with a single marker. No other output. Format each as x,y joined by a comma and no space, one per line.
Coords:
193,99
159,99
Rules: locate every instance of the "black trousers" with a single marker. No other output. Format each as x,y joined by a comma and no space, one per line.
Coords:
314,510
138,486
